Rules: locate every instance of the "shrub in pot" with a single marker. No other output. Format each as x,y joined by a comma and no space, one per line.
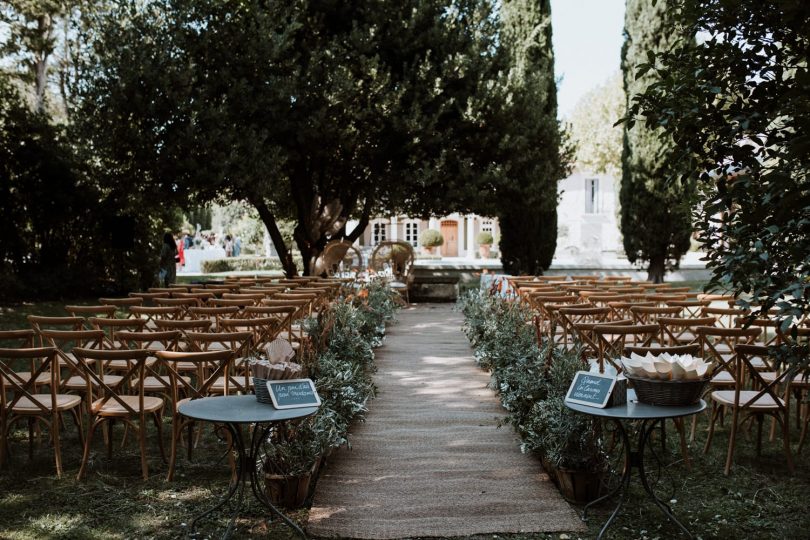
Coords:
430,239
485,241
570,443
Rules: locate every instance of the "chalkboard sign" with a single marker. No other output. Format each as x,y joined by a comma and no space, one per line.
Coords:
591,389
293,394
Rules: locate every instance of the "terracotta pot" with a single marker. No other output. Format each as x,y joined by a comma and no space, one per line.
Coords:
483,250
289,491
579,487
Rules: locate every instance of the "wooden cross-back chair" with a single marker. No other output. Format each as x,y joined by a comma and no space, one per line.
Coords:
764,398
612,339
24,339
240,343
649,314
622,309
65,342
689,308
111,327
576,322
151,314
264,330
209,368
20,398
725,317
149,297
215,313
681,330
112,402
91,311
122,303
719,345
182,303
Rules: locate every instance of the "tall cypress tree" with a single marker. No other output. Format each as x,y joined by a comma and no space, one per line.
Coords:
533,164
655,202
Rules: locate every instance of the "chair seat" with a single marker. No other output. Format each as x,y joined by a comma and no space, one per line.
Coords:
799,381
759,364
63,403
114,408
77,382
156,384
43,378
123,365
397,285
764,402
64,363
723,378
236,384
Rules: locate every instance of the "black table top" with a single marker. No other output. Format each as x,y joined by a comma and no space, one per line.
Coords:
239,410
633,410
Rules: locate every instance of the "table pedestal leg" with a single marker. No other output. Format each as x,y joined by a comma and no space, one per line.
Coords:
633,459
246,470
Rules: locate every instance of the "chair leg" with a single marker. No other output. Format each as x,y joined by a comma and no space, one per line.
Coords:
86,455
110,425
710,436
760,421
679,424
77,419
804,431
786,441
31,422
732,440
57,447
693,429
177,431
142,441
158,419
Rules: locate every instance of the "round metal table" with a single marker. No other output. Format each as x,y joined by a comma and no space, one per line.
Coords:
649,416
232,412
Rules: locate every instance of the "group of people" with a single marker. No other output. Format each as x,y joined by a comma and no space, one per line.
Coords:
172,252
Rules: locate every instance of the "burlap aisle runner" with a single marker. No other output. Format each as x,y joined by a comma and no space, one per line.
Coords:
430,460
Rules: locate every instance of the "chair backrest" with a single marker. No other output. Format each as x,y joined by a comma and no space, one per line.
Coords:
396,256
231,302
719,344
215,313
338,255
689,308
681,330
13,387
23,338
725,317
112,326
154,341
39,323
121,302
238,342
210,367
155,313
184,325
745,369
264,329
650,314
612,339
91,311
99,391
149,296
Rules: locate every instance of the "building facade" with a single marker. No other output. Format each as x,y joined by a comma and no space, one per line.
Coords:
587,226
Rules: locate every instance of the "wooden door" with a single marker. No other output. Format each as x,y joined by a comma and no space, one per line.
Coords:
450,234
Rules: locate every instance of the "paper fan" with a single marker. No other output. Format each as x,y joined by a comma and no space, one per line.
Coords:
279,350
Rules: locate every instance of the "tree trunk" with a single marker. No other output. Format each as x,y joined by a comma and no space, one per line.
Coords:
269,221
44,28
656,269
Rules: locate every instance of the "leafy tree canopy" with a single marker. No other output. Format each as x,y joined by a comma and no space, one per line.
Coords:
593,131
735,101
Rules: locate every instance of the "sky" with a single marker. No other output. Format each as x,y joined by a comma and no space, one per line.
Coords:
587,39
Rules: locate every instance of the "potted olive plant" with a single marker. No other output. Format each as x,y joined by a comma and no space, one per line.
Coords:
570,443
430,239
485,242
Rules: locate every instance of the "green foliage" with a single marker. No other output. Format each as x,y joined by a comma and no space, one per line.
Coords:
344,337
235,264
655,202
63,231
534,154
735,102
430,238
485,238
531,381
592,126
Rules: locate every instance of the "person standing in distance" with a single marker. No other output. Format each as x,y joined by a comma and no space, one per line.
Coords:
168,260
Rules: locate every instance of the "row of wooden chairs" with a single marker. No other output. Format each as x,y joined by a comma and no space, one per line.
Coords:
605,321
124,362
